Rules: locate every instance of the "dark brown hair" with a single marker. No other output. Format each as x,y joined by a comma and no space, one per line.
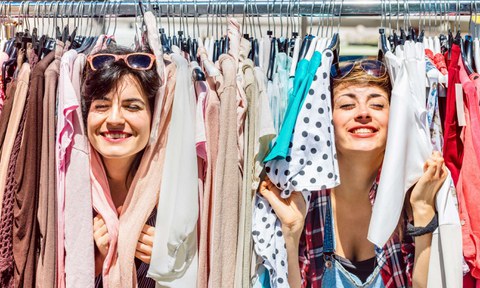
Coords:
97,84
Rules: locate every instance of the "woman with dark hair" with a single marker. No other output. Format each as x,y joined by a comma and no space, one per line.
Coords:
327,245
118,93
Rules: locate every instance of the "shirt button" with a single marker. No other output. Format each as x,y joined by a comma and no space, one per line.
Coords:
328,264
462,222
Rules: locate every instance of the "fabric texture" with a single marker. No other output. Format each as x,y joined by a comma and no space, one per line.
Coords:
395,258
310,165
174,254
79,247
228,180
408,139
303,80
12,272
46,215
67,104
452,143
468,186
212,123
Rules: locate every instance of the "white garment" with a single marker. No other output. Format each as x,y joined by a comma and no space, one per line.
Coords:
310,165
408,147
174,255
433,111
408,140
79,249
264,128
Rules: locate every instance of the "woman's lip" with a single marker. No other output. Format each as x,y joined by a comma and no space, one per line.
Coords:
363,135
115,140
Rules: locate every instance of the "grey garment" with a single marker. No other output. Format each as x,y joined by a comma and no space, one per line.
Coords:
46,214
228,180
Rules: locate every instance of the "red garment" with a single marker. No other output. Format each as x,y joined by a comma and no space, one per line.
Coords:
468,187
452,144
437,59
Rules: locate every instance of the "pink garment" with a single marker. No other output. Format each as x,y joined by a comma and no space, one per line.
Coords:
67,103
468,186
3,57
201,91
212,121
234,36
103,205
79,247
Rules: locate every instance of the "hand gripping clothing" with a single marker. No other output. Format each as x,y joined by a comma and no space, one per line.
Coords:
310,165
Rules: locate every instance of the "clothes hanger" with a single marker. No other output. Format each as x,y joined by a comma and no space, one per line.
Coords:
334,45
307,41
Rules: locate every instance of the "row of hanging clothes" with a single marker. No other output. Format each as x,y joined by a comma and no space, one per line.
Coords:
231,98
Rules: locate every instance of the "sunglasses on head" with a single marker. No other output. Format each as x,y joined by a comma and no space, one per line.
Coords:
137,61
373,68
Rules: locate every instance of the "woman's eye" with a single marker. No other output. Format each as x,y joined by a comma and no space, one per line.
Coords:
347,106
101,107
378,106
133,107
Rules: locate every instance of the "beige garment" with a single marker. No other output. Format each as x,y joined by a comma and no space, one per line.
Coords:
142,199
242,126
19,100
46,215
251,89
228,180
212,123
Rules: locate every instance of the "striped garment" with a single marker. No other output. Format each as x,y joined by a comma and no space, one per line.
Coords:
395,259
142,268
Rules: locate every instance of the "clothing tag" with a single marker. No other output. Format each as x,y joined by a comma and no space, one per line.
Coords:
459,104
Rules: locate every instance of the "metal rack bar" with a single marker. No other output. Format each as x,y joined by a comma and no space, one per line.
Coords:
203,7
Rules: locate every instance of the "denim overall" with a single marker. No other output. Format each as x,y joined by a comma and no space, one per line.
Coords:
335,275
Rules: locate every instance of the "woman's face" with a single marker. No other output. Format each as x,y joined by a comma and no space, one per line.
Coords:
118,126
360,118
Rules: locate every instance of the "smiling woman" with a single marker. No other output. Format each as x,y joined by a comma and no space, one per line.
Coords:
118,93
327,245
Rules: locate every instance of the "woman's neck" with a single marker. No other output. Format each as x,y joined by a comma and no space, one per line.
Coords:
119,178
357,174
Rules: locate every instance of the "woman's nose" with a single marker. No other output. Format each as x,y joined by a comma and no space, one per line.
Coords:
115,117
363,113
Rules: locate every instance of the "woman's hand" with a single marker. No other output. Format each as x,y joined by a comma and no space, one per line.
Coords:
423,194
291,211
100,235
145,244
102,242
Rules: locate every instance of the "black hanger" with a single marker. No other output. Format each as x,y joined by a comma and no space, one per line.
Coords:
305,46
194,50
271,62
215,51
383,44
466,50
443,43
403,36
226,45
412,35
255,47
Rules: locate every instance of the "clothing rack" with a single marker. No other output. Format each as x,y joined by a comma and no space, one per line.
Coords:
192,8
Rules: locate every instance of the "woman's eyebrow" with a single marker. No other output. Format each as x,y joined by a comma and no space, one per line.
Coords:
133,100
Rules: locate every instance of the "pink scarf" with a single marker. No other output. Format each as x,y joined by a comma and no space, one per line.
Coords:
103,204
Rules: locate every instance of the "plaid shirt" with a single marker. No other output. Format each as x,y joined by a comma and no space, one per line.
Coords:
395,259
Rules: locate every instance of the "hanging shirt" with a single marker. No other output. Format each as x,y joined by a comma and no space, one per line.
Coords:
174,254
468,186
310,165
408,139
452,145
304,80
433,112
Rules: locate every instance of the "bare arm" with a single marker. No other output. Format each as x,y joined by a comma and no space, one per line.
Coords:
422,200
291,212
